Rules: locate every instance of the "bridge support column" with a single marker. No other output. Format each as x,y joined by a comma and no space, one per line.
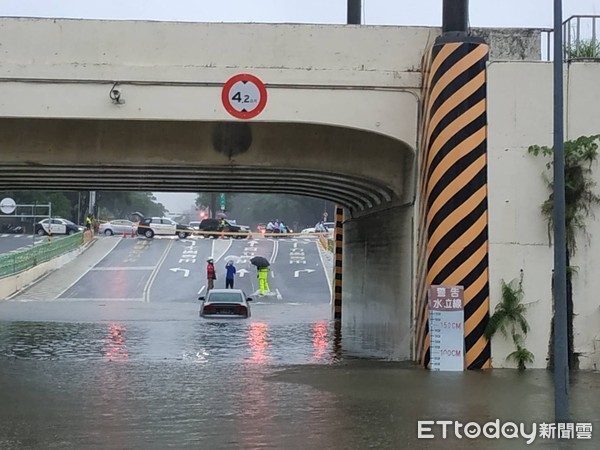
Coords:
453,219
377,284
337,272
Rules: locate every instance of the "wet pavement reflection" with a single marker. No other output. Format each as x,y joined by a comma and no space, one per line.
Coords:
274,381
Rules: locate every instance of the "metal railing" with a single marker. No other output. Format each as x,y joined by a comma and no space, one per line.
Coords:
581,39
13,263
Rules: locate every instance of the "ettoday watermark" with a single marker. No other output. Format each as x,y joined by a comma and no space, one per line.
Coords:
435,429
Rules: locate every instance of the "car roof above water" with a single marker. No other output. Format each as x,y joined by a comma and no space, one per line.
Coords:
225,295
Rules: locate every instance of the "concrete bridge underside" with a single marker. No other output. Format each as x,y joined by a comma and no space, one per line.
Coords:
369,174
356,169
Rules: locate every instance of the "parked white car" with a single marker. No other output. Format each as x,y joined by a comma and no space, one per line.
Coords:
56,225
161,226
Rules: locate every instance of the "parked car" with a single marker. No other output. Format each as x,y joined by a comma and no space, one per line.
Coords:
56,225
162,226
118,226
225,303
194,224
230,229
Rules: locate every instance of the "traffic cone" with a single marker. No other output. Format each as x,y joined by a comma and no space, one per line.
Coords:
124,235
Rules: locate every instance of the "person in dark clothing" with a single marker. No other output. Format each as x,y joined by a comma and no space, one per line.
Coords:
230,275
211,275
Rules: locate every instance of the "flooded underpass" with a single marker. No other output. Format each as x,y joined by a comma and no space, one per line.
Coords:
78,371
281,381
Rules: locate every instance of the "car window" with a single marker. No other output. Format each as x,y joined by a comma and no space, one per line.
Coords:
45,221
68,222
168,222
224,297
56,221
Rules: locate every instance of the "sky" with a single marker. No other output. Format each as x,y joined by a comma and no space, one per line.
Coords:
483,13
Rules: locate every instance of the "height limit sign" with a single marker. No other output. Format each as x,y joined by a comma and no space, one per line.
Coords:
244,96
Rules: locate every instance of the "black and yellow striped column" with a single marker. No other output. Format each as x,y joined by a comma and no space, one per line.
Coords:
453,218
337,293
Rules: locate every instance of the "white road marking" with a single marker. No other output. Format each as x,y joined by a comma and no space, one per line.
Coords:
326,272
201,289
102,299
297,272
88,270
148,285
275,250
212,251
186,272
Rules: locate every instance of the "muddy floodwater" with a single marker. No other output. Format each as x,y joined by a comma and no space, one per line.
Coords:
279,380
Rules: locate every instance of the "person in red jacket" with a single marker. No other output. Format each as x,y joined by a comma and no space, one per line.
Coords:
210,274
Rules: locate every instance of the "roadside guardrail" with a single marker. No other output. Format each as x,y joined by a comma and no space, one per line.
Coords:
13,263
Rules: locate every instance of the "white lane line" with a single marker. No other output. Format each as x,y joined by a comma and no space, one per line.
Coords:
225,251
153,275
201,289
101,299
279,297
117,242
326,272
275,250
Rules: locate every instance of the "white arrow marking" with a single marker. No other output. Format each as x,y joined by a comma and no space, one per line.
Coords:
297,272
295,245
242,272
252,243
191,242
279,297
186,272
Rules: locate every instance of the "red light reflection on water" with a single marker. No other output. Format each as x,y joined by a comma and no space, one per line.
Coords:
115,342
257,339
320,340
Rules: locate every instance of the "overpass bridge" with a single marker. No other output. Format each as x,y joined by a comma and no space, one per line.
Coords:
347,109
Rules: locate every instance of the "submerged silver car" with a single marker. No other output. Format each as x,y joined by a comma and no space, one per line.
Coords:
225,303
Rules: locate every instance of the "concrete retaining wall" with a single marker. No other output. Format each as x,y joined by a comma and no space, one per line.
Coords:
377,300
520,115
14,283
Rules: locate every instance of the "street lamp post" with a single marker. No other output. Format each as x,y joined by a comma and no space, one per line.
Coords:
354,12
561,362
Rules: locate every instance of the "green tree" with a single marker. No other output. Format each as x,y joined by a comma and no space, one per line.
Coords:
294,210
580,200
115,204
509,315
509,318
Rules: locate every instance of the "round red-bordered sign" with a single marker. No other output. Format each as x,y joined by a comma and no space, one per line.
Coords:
244,96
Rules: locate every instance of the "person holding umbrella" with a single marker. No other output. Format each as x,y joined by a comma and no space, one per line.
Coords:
262,266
